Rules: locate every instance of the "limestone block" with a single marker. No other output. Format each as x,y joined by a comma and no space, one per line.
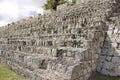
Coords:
108,58
102,58
111,51
99,68
43,64
78,56
38,77
54,52
60,68
110,32
96,56
69,54
112,39
49,66
118,32
39,50
64,69
87,76
113,71
106,65
115,31
62,6
115,60
114,45
27,59
118,52
117,40
105,71
75,72
118,70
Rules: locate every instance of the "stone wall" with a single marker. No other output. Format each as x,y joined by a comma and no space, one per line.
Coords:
59,45
109,60
81,1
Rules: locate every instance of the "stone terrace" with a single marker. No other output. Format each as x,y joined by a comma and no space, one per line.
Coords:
67,44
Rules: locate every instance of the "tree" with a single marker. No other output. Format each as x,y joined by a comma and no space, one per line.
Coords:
52,4
73,2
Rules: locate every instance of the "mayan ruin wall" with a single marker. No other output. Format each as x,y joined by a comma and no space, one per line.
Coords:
68,44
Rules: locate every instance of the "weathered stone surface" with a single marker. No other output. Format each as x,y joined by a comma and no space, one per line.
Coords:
66,44
110,50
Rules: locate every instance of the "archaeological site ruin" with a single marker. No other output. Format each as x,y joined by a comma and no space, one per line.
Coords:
68,44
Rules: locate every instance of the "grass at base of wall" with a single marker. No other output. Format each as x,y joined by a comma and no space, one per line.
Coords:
98,76
7,74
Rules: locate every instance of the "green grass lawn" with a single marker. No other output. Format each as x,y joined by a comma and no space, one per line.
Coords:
7,74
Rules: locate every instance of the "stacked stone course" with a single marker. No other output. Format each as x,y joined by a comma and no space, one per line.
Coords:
63,44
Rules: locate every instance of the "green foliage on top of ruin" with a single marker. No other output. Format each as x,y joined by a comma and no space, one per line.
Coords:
52,4
73,2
